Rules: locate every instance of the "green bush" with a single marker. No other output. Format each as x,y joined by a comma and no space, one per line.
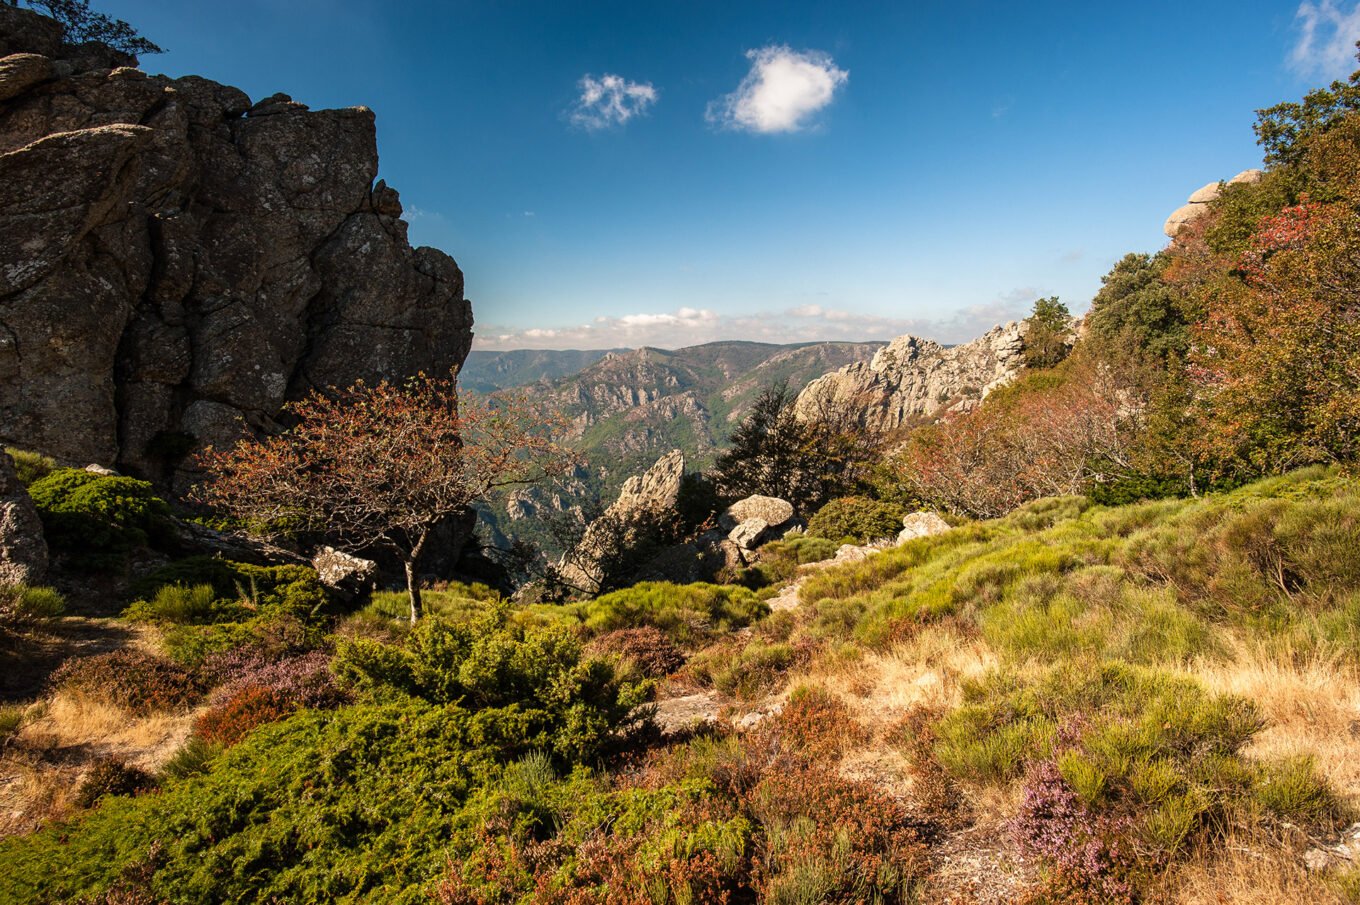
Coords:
688,614
179,603
20,603
111,776
84,512
538,691
858,519
30,466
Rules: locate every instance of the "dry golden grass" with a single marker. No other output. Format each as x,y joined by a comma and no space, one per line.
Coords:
61,738
1242,871
1311,705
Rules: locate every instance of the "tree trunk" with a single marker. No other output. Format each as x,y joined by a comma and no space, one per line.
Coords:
413,590
412,580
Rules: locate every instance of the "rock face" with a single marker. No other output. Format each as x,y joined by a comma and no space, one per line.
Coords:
646,500
23,552
913,377
176,263
1197,205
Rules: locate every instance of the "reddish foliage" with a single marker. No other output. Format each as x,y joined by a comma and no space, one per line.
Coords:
230,721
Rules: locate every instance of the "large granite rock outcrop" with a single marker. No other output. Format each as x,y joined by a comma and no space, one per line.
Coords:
177,262
913,377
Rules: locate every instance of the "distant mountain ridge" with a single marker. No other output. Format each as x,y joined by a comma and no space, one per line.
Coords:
629,408
487,371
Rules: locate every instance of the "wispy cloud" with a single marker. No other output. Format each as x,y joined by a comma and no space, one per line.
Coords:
804,323
1327,36
609,101
781,93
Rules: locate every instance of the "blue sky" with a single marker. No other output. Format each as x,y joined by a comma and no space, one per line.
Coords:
617,174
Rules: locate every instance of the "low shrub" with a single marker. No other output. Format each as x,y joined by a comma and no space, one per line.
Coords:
546,695
779,560
269,635
688,614
228,722
646,648
857,519
30,467
11,720
240,591
177,603
136,681
111,776
84,512
20,603
749,671
193,759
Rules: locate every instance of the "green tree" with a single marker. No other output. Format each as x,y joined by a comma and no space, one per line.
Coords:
1137,308
1047,332
1284,129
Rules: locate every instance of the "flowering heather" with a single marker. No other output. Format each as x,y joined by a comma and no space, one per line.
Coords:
1054,825
303,680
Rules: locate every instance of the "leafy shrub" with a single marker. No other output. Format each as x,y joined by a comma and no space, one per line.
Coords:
139,682
779,560
688,614
647,648
20,603
30,467
111,776
85,512
228,722
858,519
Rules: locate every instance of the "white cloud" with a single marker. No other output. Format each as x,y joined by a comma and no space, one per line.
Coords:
781,92
611,100
1327,36
804,323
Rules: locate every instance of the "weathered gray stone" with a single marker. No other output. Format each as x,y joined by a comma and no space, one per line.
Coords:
776,513
645,502
750,533
349,575
21,71
171,267
23,551
921,524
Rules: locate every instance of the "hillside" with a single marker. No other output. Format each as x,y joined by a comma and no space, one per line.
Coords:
1127,700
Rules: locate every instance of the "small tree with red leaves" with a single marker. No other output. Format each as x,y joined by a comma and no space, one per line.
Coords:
379,466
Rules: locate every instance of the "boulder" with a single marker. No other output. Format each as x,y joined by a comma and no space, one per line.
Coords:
179,263
1206,194
23,551
1182,217
750,533
921,524
351,576
776,513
